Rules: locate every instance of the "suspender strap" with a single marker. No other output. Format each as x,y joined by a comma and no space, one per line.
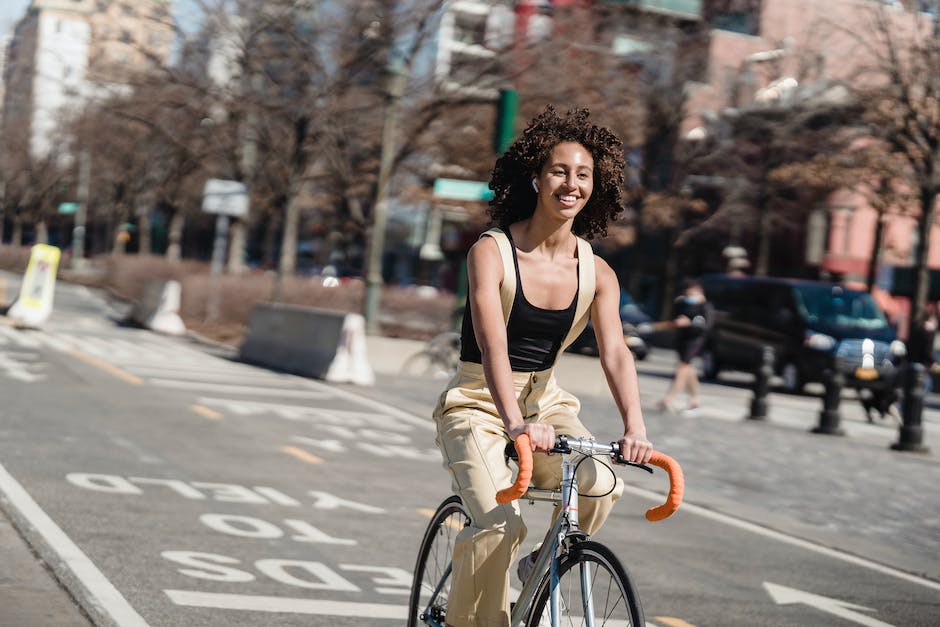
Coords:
507,289
587,285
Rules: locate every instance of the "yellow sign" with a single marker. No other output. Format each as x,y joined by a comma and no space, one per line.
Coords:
36,293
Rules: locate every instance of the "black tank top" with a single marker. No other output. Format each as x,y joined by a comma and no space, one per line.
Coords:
534,334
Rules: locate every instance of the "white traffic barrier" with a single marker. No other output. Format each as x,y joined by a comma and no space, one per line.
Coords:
308,341
34,304
159,307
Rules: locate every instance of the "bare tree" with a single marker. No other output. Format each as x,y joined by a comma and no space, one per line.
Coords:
902,93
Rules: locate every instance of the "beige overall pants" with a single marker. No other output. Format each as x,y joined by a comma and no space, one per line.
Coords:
472,440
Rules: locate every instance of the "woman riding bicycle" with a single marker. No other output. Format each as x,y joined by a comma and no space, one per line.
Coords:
533,284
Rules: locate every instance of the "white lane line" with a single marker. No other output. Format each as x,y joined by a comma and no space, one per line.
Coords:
258,603
176,366
209,377
102,592
236,389
381,407
791,540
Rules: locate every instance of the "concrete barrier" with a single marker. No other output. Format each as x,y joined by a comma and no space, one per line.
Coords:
308,341
159,307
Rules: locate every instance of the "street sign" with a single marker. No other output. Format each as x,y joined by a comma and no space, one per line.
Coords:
223,197
462,190
68,207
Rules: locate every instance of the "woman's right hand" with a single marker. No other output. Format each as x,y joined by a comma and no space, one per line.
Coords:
542,436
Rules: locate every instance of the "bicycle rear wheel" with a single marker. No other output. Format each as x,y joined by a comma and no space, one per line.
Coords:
594,589
431,586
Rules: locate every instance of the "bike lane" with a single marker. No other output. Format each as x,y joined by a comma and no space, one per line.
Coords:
305,506
180,505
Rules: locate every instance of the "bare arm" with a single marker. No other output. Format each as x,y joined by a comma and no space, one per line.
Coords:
485,273
618,364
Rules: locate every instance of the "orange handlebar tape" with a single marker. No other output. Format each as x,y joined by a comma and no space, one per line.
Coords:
516,490
676,487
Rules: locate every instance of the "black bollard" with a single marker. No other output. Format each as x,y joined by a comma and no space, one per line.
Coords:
829,416
911,436
762,384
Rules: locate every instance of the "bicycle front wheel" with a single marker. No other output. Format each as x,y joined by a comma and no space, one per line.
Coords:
431,586
594,589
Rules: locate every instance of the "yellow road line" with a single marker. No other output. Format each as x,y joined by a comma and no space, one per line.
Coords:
205,412
302,455
103,365
673,622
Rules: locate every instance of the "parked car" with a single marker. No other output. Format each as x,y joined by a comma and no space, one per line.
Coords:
812,326
637,325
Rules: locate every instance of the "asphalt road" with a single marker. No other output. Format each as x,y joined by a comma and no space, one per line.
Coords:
164,483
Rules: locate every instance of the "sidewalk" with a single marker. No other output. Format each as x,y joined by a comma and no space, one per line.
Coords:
29,594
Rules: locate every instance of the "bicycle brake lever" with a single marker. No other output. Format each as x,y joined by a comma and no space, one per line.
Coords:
636,465
620,459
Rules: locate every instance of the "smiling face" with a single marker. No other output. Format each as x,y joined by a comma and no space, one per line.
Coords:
566,180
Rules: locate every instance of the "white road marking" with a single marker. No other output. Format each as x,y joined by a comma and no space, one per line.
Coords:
791,540
21,366
234,389
783,595
232,378
256,603
424,423
102,592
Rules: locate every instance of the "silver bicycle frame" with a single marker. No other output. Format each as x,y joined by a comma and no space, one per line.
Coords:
566,523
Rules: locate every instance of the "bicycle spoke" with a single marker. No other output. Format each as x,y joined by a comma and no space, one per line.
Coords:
594,590
431,588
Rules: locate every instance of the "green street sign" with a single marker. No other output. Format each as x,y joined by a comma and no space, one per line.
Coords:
68,207
462,190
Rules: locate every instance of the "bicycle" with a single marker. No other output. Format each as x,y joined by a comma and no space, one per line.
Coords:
438,357
575,580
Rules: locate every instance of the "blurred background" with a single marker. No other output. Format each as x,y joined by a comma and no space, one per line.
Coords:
786,138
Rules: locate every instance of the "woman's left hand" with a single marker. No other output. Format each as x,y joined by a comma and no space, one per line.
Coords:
636,448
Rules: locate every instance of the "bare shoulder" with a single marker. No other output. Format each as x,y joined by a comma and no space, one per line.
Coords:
484,260
606,277
485,250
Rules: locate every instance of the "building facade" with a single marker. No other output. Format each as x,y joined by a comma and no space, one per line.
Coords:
63,52
767,50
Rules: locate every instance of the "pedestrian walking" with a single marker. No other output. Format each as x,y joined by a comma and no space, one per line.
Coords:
693,314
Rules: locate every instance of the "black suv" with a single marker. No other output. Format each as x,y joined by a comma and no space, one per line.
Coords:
812,326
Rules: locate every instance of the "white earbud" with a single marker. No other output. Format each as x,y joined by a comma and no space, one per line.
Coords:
535,185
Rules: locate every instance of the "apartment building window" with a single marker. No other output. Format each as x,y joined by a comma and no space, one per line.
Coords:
128,10
737,16
745,23
126,37
470,29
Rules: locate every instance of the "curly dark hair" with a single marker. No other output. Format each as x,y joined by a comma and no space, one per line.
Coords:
514,199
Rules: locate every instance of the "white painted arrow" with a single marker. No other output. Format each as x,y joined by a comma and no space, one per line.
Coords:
843,609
